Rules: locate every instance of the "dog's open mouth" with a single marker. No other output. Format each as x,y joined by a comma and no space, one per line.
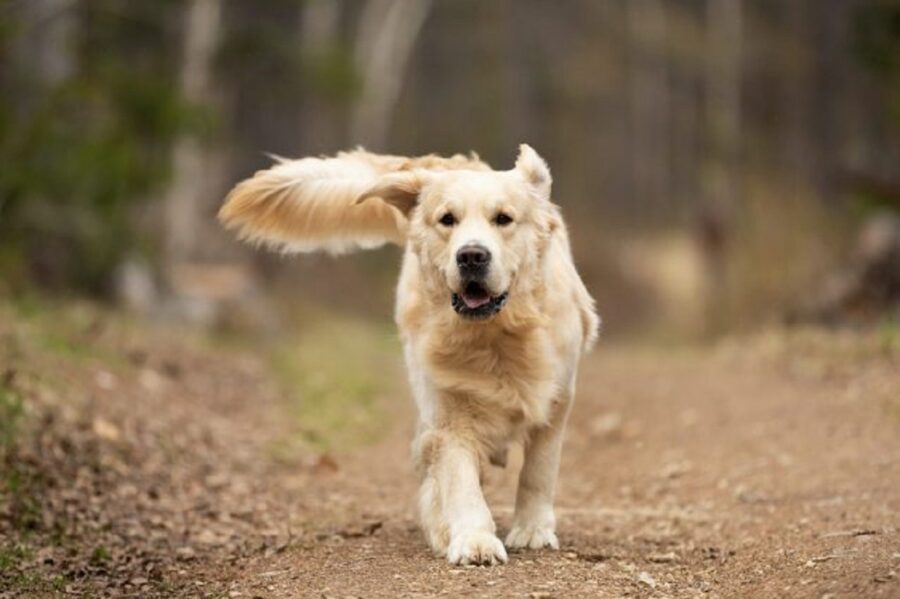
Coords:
475,301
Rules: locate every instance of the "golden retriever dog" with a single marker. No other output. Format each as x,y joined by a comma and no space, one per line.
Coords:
492,315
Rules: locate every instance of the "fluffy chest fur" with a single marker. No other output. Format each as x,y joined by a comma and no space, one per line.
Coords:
492,381
490,370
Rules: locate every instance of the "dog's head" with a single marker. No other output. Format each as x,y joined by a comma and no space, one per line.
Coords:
478,235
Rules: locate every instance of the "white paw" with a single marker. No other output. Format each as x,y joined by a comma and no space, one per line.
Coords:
532,537
477,547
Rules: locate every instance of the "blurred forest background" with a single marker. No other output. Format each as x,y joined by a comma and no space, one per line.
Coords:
722,163
730,173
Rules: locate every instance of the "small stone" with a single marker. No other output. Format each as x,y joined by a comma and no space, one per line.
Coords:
646,579
105,380
607,425
185,553
663,558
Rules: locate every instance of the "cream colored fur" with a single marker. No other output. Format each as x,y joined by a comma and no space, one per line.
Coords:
478,385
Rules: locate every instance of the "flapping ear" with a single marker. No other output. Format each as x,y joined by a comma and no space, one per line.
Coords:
400,190
534,170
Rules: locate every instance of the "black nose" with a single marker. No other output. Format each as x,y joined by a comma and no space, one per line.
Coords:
473,258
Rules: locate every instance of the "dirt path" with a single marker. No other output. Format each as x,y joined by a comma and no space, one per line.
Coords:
765,467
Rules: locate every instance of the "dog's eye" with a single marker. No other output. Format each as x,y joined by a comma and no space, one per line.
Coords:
448,220
502,219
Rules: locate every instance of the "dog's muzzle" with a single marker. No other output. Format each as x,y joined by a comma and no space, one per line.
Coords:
476,303
474,300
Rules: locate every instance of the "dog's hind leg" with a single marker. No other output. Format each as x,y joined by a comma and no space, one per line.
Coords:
534,523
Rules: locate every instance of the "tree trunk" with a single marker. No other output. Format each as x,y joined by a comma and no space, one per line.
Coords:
721,175
46,44
203,286
650,99
322,120
196,170
385,41
723,102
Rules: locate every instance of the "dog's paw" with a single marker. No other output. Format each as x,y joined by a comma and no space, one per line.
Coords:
478,548
532,537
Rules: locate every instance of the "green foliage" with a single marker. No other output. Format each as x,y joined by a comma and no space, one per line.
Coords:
271,62
877,39
889,336
332,74
11,413
263,53
79,153
877,46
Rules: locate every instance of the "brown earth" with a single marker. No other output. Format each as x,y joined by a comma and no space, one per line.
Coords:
150,463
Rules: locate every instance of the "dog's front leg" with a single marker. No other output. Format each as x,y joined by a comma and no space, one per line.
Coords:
453,479
534,523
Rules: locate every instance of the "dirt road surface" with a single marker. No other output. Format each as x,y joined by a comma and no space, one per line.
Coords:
148,464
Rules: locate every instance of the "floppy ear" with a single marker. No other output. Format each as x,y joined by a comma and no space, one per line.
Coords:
534,170
400,190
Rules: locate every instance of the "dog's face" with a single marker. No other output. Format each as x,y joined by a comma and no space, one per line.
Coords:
478,235
473,230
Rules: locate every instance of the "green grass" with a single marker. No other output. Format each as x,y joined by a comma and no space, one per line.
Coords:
17,480
339,372
100,555
889,336
20,488
30,582
12,555
12,411
65,330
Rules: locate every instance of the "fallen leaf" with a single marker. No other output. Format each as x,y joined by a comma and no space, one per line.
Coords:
325,464
105,429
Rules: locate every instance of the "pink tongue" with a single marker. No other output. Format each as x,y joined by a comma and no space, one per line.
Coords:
475,302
